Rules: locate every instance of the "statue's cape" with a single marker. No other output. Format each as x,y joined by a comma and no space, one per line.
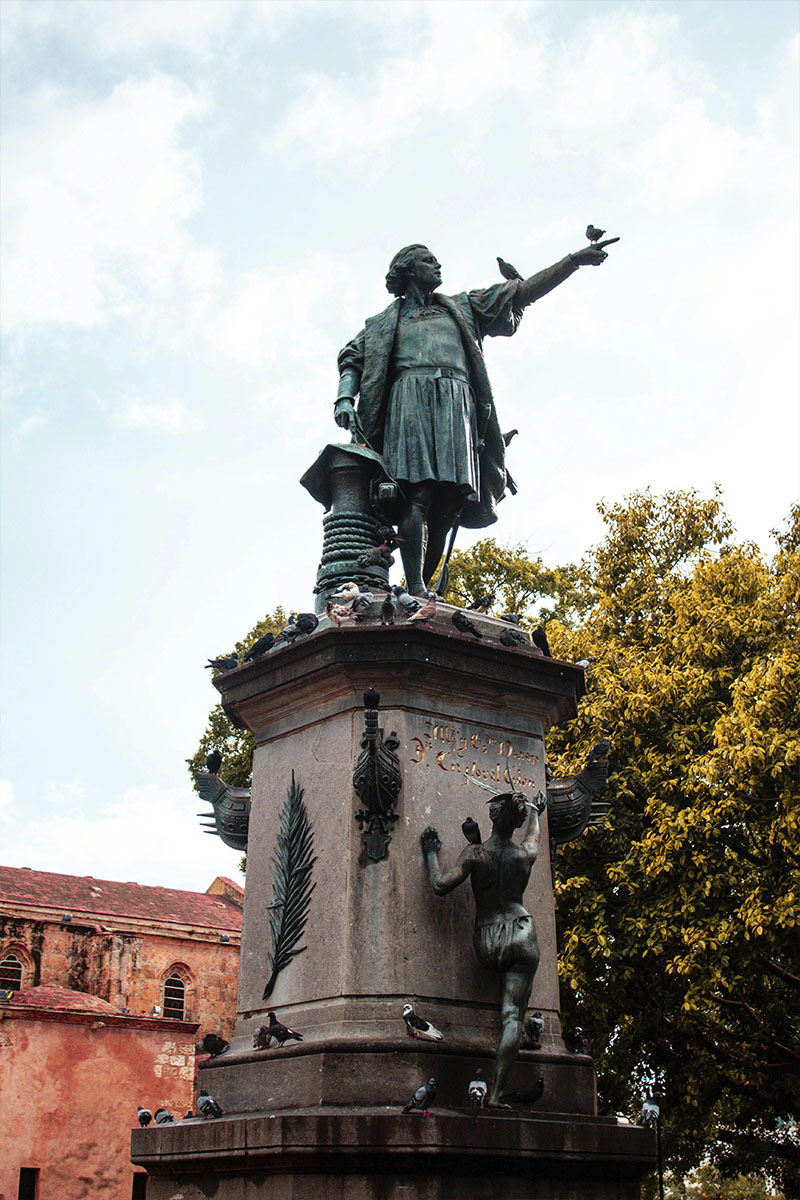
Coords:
379,335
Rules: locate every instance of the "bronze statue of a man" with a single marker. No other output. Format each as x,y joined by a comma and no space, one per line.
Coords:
505,935
424,399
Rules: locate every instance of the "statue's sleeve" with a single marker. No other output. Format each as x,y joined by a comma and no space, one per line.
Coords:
351,365
497,309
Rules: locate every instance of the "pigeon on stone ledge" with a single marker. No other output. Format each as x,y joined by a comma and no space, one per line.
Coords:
207,1105
527,1097
228,662
423,1097
388,610
144,1115
260,646
282,1033
477,1090
164,1117
464,625
213,1044
534,1028
512,638
418,1027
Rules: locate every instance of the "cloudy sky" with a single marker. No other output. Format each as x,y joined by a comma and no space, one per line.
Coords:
200,200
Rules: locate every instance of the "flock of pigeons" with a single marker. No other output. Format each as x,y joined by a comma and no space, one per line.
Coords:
417,1028
352,603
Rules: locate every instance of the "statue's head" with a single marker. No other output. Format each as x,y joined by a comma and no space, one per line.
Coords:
413,262
508,811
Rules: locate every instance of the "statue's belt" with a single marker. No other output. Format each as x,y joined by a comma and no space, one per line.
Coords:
433,373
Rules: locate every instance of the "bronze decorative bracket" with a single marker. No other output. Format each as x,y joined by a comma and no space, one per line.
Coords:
377,781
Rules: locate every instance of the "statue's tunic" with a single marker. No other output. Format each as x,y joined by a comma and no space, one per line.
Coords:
425,402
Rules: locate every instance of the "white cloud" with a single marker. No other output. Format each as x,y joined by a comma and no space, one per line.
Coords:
95,197
149,835
467,50
166,416
271,316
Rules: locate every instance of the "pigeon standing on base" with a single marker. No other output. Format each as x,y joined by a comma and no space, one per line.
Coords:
144,1116
388,610
527,1097
464,625
282,1033
164,1117
260,646
427,611
534,1028
228,662
213,1044
478,1090
207,1105
418,1027
422,1098
539,638
408,603
512,638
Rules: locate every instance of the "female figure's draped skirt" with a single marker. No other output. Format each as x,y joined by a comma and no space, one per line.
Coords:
430,431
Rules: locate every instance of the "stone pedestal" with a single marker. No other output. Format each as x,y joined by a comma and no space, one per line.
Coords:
377,936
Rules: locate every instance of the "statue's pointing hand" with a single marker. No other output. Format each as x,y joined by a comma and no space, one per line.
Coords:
592,256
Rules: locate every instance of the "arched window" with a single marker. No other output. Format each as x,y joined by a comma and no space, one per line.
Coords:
174,997
11,973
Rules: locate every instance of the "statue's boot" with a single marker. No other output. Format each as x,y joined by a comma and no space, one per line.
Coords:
413,528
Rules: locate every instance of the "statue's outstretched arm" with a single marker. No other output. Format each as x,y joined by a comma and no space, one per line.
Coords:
544,281
443,882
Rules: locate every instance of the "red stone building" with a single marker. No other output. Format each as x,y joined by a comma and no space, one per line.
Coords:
105,988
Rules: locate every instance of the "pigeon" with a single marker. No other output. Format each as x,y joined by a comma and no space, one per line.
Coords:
539,638
408,603
417,1027
228,662
527,1097
513,637
512,433
388,610
361,604
389,538
338,613
464,625
305,623
593,234
260,646
347,594
511,618
164,1117
584,663
471,831
534,1028
261,1038
506,269
477,1090
481,604
213,1044
281,1033
651,1110
214,762
576,1041
422,1098
375,556
427,611
144,1115
207,1105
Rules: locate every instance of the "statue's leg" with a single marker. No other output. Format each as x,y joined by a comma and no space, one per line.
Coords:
517,984
413,528
442,516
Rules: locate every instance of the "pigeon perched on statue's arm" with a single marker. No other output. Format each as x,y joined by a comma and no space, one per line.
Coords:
508,271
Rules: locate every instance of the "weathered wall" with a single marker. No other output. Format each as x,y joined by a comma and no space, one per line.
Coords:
70,1088
128,969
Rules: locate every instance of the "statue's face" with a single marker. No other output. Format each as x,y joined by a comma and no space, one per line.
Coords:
426,270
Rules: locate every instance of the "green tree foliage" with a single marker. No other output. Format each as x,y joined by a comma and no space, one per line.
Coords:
706,1183
678,917
235,745
518,581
